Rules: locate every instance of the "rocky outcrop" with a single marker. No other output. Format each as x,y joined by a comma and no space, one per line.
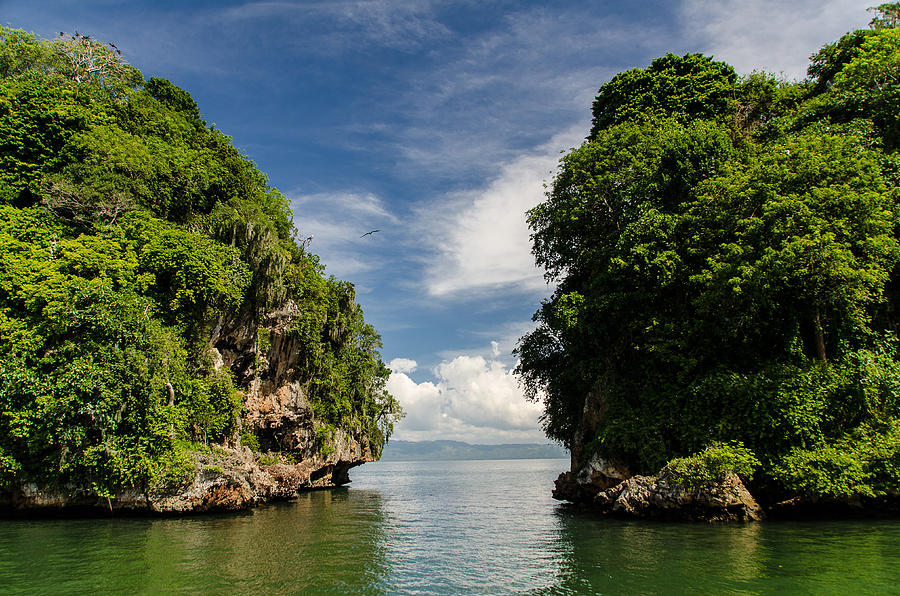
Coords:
601,488
595,475
663,498
610,487
221,480
296,451
227,480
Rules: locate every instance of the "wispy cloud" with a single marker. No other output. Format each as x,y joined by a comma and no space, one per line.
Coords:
487,97
479,239
347,25
335,224
770,35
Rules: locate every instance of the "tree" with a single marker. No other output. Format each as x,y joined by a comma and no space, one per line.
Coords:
679,87
85,59
871,79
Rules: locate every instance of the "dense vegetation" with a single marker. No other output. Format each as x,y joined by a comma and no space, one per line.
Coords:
128,229
726,253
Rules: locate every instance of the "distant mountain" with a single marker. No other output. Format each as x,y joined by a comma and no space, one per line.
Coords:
448,450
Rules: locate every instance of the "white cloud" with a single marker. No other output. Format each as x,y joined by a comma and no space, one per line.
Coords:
479,239
508,87
402,365
771,35
336,222
421,403
474,399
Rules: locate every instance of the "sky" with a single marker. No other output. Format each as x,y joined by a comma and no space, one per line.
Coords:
437,123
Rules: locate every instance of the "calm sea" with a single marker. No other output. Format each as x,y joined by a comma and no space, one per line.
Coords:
465,527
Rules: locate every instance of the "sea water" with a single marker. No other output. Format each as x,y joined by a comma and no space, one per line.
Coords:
450,527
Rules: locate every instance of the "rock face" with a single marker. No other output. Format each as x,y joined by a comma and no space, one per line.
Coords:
222,480
299,452
592,477
660,497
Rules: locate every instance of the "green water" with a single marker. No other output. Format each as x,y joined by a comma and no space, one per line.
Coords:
482,527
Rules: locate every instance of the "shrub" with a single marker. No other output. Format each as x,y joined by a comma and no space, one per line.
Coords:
711,465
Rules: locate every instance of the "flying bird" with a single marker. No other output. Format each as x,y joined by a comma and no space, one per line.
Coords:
367,233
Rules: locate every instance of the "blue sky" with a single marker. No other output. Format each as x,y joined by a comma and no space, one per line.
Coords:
437,122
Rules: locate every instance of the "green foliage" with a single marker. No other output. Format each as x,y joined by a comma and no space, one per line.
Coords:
711,465
189,272
128,230
679,87
21,53
325,439
725,257
174,97
862,463
871,81
213,406
250,441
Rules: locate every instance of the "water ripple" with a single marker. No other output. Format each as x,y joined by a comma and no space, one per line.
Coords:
442,528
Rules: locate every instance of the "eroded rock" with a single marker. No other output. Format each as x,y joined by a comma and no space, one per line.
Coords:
597,474
662,498
310,453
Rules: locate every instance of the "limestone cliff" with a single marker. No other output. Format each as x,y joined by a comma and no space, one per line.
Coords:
296,451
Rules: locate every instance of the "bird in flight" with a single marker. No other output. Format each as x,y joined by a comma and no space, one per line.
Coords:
367,233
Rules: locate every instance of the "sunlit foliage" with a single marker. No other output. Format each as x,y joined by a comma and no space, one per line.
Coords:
128,229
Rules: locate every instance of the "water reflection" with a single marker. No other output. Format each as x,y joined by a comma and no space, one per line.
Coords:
326,541
604,556
443,528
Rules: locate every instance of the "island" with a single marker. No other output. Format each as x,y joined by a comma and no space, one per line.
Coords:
722,340
168,343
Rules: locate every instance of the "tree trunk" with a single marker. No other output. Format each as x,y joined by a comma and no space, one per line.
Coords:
819,337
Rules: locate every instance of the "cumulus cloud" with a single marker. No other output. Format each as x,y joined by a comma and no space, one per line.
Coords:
402,365
335,222
474,399
770,35
421,403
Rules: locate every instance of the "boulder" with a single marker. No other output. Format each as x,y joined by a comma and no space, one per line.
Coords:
596,475
663,498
